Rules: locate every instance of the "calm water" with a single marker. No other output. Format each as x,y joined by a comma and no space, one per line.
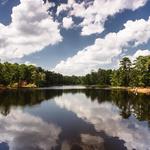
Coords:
74,119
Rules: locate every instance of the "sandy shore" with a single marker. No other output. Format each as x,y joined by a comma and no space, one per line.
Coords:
140,90
130,89
135,89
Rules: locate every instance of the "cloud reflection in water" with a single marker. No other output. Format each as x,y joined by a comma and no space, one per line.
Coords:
23,131
106,117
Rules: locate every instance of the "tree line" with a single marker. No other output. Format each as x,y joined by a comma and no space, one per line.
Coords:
135,73
21,75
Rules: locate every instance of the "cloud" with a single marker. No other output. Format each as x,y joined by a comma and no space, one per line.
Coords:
24,131
139,53
67,22
87,142
31,30
29,63
95,13
106,117
92,140
104,50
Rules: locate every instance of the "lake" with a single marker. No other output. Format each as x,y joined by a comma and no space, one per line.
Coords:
74,118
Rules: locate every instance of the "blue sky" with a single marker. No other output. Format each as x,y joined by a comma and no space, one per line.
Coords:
70,31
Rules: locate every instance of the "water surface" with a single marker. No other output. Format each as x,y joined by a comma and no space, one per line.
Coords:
74,119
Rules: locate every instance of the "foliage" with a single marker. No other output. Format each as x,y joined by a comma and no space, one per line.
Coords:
128,74
101,77
15,75
132,74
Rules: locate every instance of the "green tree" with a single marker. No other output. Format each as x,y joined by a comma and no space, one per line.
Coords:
115,78
125,69
142,69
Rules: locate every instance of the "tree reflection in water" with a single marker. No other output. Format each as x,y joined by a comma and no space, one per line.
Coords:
105,116
129,103
116,117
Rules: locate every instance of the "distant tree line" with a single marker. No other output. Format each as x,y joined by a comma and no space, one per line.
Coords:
128,74
21,75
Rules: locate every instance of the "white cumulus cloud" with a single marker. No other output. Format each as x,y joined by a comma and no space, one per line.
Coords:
30,31
105,49
67,22
139,53
95,13
29,63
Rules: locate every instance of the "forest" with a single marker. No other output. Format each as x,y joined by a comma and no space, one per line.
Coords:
129,73
133,74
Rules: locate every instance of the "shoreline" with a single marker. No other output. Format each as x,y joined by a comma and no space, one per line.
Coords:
16,88
135,90
140,90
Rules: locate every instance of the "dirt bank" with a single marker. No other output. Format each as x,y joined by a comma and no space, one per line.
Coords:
140,90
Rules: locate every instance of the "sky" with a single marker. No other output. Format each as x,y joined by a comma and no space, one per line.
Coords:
74,37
